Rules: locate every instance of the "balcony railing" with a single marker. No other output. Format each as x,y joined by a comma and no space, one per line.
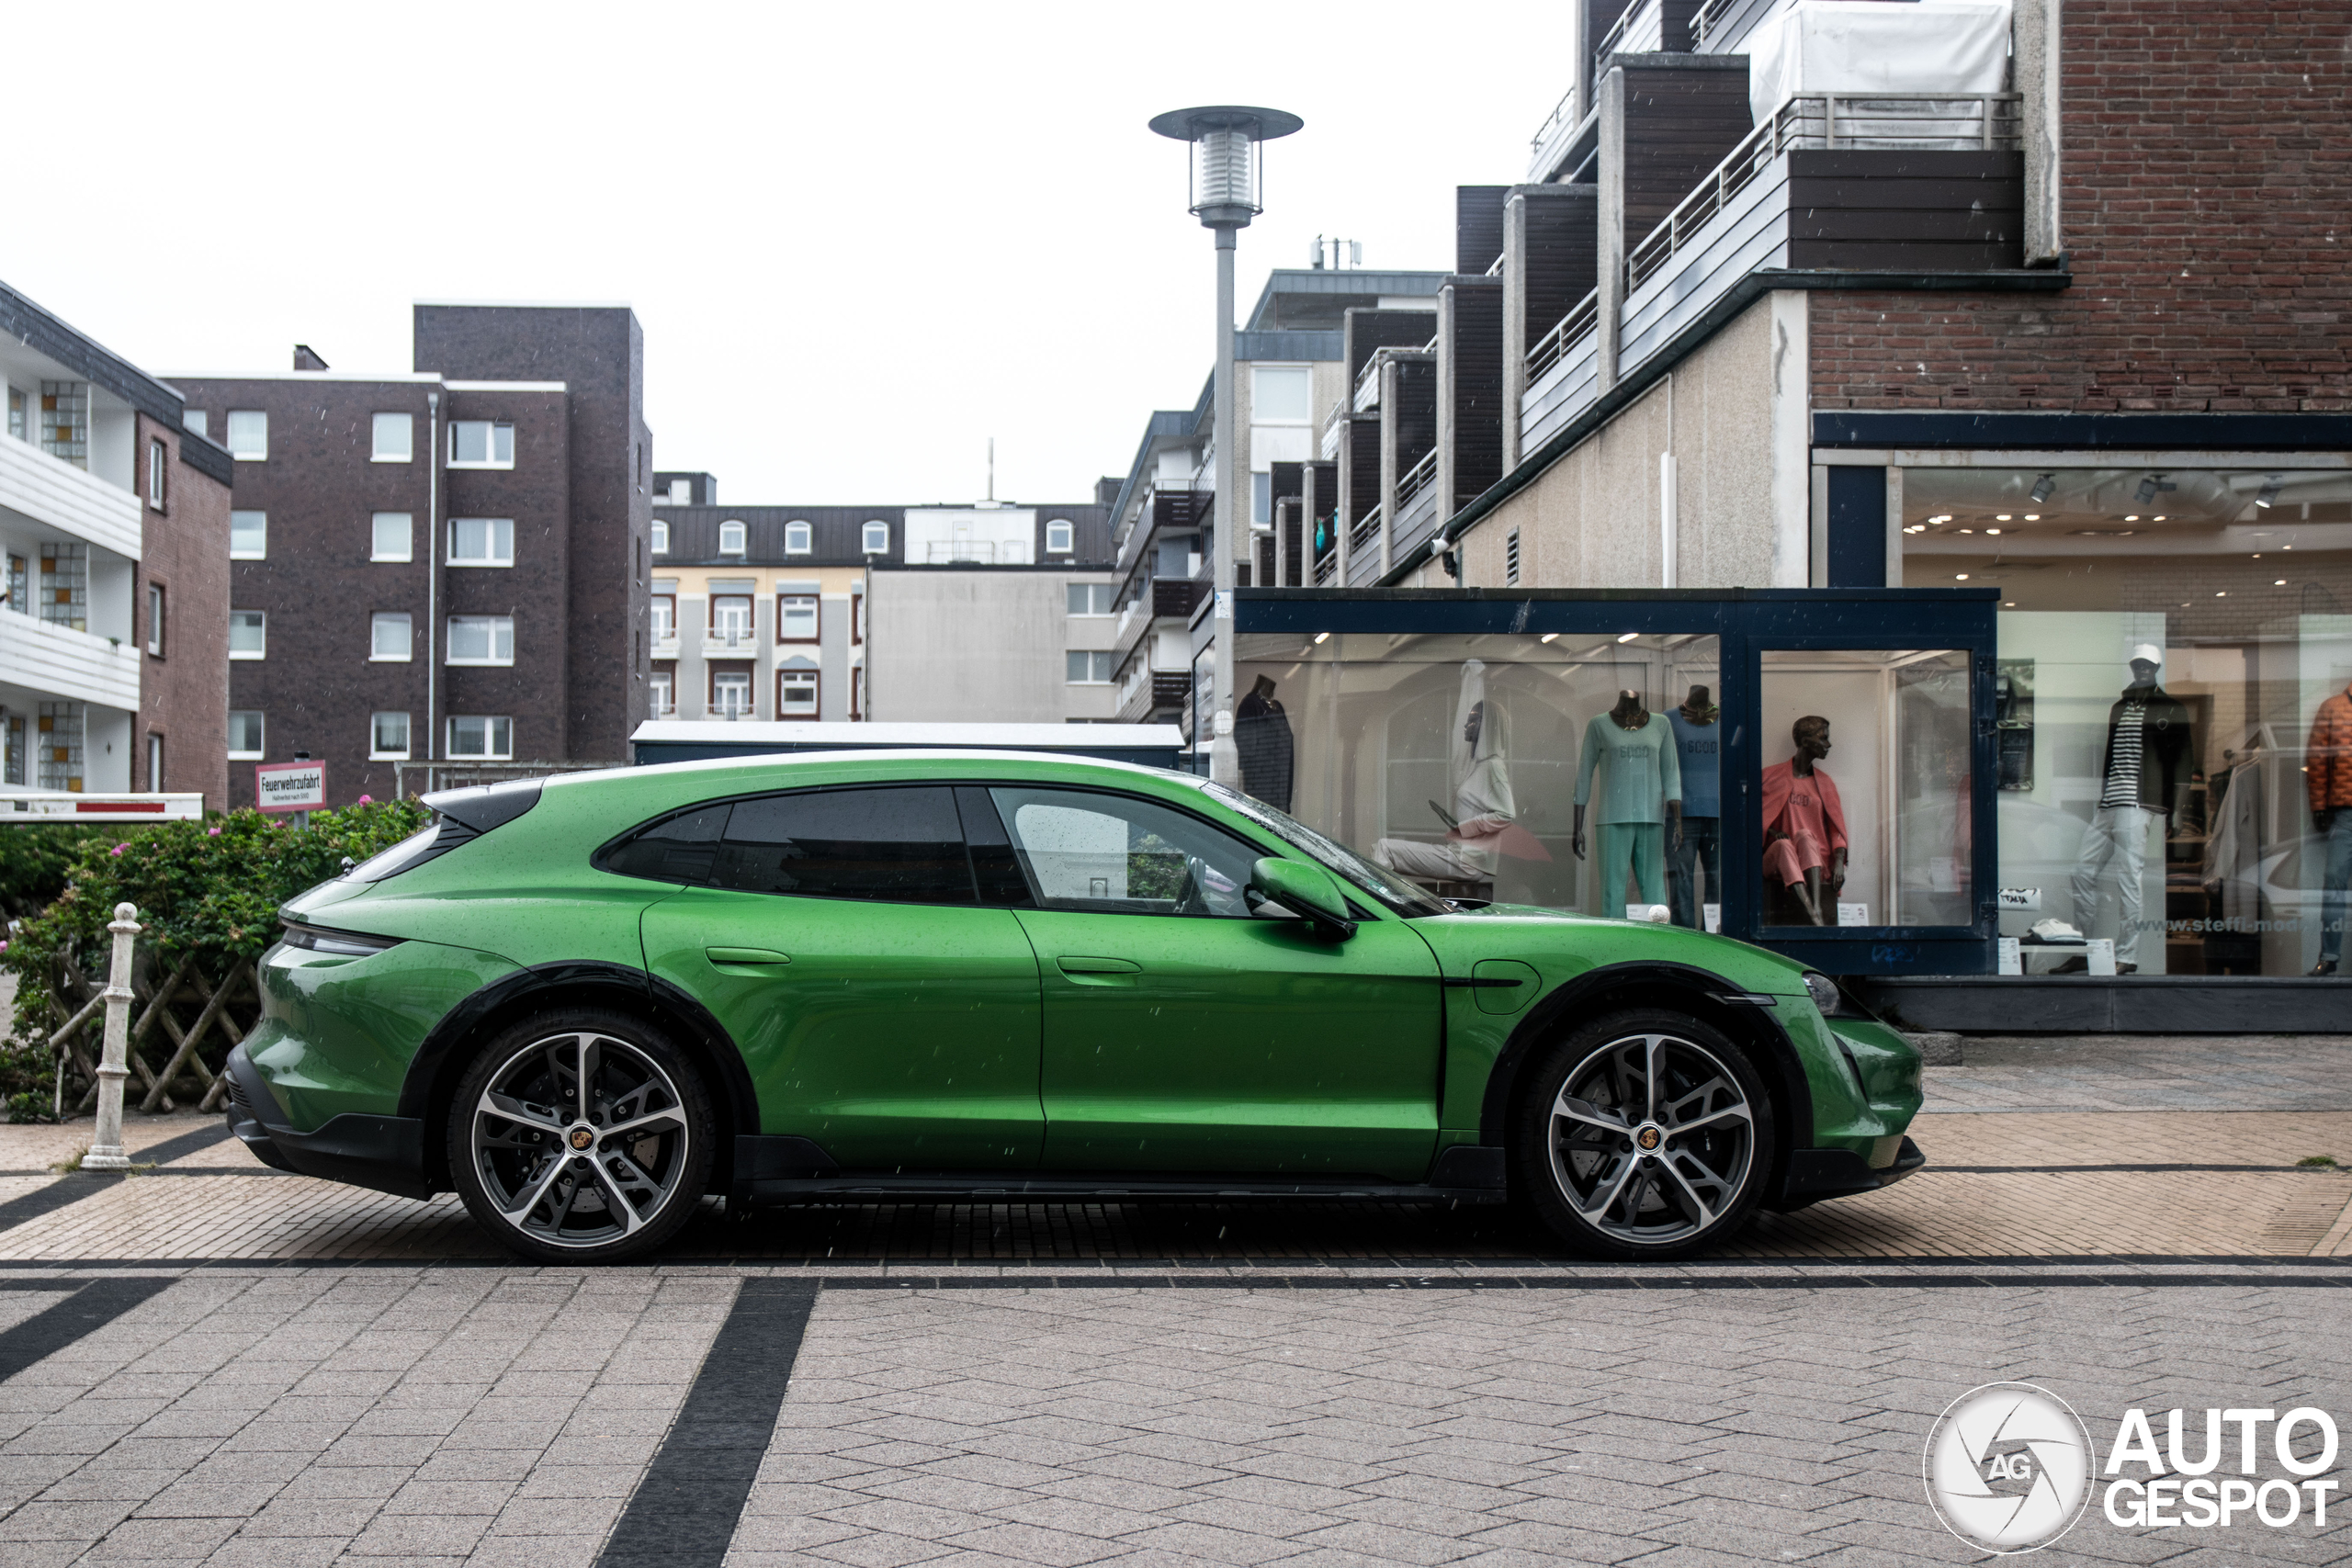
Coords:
730,636
1707,19
1640,28
1578,325
1326,567
1410,482
1367,395
1365,535
1893,121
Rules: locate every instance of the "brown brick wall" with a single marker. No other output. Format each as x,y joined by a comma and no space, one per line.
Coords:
184,693
2207,209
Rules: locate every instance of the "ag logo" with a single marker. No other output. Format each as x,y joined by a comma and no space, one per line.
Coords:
2008,1468
581,1137
1648,1137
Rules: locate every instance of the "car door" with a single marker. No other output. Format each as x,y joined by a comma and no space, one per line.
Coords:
1183,1036
882,1011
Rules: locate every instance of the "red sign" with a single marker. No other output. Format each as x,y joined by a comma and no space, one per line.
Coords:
290,787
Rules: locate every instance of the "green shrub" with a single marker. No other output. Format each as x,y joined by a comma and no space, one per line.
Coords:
208,890
33,862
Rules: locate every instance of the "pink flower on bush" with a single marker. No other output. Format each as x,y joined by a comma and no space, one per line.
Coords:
212,833
367,800
119,849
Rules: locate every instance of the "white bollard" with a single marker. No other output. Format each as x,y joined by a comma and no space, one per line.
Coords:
106,1145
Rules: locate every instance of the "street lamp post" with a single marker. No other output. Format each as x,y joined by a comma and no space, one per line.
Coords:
1225,191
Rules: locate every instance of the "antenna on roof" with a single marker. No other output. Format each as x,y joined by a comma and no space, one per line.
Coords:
991,467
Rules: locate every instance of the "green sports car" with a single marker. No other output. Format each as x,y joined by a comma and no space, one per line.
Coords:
585,1002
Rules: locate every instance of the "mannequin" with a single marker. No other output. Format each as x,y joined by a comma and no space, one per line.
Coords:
2327,778
1643,793
2145,770
1804,824
1262,734
1698,845
1483,806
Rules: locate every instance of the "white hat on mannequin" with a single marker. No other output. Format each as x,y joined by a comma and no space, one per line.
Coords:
2149,651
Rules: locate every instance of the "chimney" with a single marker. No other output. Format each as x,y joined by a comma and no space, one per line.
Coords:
304,359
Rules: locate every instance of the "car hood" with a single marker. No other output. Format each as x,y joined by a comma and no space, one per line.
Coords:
1561,945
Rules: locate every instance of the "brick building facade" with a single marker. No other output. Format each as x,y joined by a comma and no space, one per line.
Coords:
181,606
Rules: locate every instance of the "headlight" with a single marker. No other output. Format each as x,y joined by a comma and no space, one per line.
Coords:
1824,994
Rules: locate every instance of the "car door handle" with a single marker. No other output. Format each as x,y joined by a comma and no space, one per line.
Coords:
1076,965
762,955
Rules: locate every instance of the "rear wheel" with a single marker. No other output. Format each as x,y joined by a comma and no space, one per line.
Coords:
581,1136
1645,1134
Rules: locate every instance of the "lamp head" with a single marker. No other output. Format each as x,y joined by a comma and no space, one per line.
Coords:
1227,188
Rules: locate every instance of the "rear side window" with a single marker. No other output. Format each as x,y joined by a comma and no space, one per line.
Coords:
682,848
903,846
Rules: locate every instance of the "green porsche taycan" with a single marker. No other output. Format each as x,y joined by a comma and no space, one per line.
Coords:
587,1002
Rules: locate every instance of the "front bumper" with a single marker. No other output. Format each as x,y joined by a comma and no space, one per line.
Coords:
1816,1174
385,1153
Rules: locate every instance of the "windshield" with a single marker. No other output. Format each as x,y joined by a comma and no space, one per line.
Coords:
1408,898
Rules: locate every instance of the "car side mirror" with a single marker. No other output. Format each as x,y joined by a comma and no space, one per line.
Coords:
1285,890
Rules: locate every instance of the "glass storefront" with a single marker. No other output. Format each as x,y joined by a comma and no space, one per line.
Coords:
2173,708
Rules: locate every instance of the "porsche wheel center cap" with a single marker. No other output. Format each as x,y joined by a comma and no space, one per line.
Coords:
1650,1137
584,1136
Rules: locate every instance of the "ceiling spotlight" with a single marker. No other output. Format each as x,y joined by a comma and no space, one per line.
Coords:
1631,636
1960,577
2130,517
2222,593
2009,604
1321,637
2033,516
2043,486
2158,518
1547,637
2001,516
2268,494
2280,583
1989,530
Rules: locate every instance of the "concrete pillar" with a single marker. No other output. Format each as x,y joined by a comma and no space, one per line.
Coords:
1514,324
2038,71
1391,376
1443,477
1610,227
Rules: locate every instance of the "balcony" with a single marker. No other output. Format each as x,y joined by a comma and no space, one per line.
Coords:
1166,505
1417,509
1162,598
56,495
1363,549
721,641
1148,691
59,661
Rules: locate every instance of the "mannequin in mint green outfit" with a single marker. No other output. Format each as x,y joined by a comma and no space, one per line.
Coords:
1642,788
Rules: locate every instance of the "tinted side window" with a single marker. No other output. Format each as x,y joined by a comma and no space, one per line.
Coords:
902,846
676,848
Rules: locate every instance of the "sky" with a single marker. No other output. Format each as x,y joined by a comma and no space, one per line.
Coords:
862,240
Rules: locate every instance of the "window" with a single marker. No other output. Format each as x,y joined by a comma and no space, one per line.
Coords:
394,537
156,620
248,536
482,541
193,419
12,749
856,618
795,694
1090,598
249,435
248,634
1061,537
482,640
731,538
661,538
682,492
245,735
857,691
665,693
388,737
478,737
17,406
154,762
1511,559
480,443
796,617
1088,669
731,619
796,537
665,617
1261,500
65,421
60,729
876,538
1278,394
1111,854
902,846
158,465
64,596
389,638
395,437
731,693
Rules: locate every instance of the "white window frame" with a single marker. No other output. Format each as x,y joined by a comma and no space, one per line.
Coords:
664,692
193,419
236,554
657,604
816,604
1092,656
155,760
260,727
716,631
732,679
816,683
871,545
493,460
799,538
249,453
1064,529
377,522
377,624
738,531
158,460
157,609
490,535
1103,591
491,725
375,751
499,627
405,423
660,537
248,655
1306,377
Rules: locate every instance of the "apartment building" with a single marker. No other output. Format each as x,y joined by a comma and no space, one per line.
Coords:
448,564
114,528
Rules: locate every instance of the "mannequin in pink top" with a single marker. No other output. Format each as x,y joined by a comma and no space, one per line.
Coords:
1804,824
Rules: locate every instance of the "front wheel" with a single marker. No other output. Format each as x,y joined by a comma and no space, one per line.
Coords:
581,1136
1645,1134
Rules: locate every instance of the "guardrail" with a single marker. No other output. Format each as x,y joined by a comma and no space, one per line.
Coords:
1891,121
1705,20
1581,321
1410,482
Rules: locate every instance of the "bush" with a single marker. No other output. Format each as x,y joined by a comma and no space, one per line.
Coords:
33,862
208,890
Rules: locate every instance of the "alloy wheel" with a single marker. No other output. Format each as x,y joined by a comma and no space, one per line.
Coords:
1651,1139
581,1139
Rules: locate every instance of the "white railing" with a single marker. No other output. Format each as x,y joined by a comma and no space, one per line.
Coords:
1409,483
57,495
1578,325
1903,121
1640,29
730,636
1705,18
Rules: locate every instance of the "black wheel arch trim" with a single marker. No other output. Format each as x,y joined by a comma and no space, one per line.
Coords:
1745,1016
433,1072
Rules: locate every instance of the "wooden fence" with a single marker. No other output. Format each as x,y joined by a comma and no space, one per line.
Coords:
197,1018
